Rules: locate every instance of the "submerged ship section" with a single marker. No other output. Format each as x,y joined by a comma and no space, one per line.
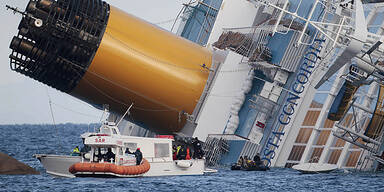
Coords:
284,104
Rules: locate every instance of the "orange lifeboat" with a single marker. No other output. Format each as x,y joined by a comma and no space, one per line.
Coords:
110,168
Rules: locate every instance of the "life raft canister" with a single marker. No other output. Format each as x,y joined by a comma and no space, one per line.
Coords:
184,164
111,168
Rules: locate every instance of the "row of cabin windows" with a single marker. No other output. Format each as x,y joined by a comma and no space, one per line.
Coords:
161,149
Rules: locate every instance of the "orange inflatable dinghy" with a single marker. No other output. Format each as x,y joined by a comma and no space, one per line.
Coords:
110,168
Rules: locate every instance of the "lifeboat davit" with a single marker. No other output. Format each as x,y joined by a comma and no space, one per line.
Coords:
110,168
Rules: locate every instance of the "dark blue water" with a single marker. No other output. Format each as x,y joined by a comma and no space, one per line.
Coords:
22,141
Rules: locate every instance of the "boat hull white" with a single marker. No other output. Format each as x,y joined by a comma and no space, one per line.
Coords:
58,165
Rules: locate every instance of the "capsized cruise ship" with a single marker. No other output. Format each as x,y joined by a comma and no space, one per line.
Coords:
295,80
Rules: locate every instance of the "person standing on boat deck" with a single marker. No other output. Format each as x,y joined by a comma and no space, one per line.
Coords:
188,156
85,148
178,151
139,156
98,156
76,151
109,156
197,150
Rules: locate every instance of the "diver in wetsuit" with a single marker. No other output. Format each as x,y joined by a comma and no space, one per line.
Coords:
257,160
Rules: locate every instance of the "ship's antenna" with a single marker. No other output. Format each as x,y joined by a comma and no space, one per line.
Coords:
38,22
15,10
129,108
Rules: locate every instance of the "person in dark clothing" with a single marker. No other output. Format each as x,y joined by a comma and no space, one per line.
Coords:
109,156
240,161
85,149
139,156
98,156
182,153
257,159
197,150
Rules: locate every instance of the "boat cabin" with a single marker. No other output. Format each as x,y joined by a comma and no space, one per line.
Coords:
153,149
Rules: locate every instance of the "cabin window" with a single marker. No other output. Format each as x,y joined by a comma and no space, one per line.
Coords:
106,130
161,150
131,146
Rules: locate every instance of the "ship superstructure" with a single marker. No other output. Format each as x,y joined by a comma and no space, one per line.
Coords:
276,107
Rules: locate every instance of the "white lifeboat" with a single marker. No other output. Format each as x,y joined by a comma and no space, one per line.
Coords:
311,168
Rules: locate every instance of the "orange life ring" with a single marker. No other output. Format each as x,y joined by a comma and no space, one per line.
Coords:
112,168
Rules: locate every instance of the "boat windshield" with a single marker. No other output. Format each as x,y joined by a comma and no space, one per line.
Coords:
106,130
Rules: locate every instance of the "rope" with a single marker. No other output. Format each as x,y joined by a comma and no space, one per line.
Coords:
53,120
71,110
114,83
166,21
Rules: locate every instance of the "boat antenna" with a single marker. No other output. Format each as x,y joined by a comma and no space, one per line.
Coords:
129,108
53,119
105,111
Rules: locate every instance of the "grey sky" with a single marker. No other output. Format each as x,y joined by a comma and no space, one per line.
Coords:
23,100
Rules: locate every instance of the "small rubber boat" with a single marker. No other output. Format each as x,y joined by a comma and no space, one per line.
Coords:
312,168
249,168
235,167
256,168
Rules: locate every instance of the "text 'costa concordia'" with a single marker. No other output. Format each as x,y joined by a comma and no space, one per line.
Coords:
98,53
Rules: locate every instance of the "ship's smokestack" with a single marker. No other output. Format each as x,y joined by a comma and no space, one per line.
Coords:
102,55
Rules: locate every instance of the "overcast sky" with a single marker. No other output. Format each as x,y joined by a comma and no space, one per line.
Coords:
23,100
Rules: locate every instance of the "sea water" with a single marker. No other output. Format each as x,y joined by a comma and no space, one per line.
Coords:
22,141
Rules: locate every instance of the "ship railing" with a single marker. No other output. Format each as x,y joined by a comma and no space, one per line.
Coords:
326,23
217,145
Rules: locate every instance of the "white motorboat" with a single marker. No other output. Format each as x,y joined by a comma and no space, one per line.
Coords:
311,168
157,157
